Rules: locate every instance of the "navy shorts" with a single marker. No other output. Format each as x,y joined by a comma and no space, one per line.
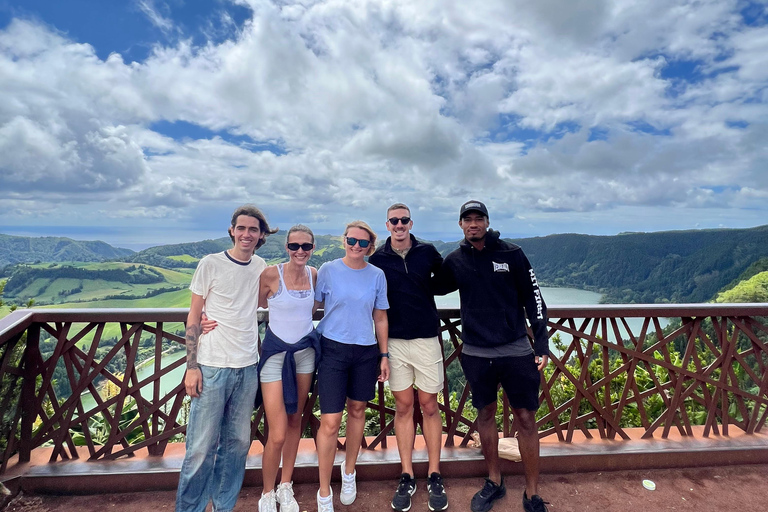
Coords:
519,377
346,371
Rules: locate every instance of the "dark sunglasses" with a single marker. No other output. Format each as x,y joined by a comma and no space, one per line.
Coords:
352,241
293,246
395,220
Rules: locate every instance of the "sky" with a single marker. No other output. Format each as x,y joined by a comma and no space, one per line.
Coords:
145,122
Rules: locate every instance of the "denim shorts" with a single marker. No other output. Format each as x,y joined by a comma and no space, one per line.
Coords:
346,371
272,371
519,377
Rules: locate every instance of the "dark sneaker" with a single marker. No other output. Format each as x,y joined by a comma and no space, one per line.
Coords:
438,500
535,504
483,499
405,489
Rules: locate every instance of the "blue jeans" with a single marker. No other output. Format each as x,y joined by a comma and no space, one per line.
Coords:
218,439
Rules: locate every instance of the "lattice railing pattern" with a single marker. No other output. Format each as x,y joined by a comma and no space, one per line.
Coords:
618,368
708,370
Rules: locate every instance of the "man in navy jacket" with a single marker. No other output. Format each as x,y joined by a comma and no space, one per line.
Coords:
498,290
416,356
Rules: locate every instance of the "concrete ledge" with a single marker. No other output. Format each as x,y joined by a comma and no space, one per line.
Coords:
145,473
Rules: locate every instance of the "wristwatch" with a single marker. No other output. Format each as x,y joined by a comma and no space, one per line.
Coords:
384,354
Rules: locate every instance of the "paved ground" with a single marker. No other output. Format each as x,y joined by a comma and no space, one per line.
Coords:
713,489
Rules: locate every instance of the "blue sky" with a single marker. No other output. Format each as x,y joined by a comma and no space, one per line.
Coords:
145,122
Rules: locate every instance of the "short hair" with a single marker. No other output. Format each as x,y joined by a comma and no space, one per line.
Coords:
299,228
251,211
398,206
365,227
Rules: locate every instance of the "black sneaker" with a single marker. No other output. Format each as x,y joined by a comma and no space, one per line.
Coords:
405,489
483,499
535,504
438,500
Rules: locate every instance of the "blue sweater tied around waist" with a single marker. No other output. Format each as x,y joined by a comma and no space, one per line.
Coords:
272,345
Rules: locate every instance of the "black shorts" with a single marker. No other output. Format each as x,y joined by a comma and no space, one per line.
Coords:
519,377
346,371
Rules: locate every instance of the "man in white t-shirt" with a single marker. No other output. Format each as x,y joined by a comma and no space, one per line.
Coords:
221,372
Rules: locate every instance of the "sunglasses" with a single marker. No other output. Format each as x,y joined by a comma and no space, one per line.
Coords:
293,246
352,241
395,220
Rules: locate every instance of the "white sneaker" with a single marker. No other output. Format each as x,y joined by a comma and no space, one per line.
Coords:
286,499
348,487
267,503
325,504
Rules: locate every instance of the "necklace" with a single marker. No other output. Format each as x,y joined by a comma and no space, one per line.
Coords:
295,282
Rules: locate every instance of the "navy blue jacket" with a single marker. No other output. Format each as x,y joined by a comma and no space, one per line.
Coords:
498,288
272,345
412,312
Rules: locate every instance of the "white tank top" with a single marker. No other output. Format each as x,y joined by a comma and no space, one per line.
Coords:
290,317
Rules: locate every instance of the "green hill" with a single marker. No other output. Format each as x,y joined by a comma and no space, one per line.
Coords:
751,286
23,249
186,255
82,283
754,289
670,266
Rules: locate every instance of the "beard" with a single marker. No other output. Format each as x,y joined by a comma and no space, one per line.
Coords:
477,237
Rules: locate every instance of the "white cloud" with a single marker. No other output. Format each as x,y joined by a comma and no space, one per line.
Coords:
154,15
542,106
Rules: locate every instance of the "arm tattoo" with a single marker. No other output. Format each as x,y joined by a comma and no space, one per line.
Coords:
193,334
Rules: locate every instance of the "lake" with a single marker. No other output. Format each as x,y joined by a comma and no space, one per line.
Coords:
552,297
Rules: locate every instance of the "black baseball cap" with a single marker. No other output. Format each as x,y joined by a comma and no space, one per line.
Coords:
472,206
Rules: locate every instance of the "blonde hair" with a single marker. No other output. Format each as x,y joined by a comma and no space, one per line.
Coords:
365,227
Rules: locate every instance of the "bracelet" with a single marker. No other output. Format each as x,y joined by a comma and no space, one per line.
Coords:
384,354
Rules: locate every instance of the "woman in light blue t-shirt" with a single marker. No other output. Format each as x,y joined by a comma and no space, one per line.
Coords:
354,333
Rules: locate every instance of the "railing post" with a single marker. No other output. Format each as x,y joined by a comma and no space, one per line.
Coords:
29,383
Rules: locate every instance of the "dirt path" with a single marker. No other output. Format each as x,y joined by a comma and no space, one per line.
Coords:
713,489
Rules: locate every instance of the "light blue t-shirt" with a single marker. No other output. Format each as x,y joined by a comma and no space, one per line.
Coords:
350,297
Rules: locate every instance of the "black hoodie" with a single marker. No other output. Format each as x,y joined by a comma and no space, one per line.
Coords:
497,287
412,312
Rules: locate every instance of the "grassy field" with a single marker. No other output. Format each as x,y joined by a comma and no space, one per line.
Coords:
175,299
59,292
186,258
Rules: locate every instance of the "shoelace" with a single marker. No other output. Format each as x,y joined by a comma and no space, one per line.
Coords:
325,507
270,502
436,485
488,489
284,493
347,486
405,485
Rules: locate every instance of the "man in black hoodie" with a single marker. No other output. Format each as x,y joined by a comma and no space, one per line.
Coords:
498,289
416,356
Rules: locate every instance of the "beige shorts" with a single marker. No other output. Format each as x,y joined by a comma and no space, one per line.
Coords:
418,361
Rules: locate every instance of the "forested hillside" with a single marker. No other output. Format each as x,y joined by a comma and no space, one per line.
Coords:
23,249
188,254
671,266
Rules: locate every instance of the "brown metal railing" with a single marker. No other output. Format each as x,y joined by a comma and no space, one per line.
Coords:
619,367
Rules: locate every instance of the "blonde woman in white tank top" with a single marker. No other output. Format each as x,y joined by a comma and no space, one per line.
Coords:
285,429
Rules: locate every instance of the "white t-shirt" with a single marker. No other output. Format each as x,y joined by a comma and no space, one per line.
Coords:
231,292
